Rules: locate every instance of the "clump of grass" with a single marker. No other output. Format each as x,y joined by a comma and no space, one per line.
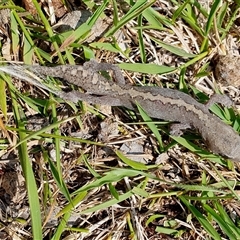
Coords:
84,186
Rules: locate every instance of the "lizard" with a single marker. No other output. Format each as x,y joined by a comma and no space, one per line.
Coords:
160,103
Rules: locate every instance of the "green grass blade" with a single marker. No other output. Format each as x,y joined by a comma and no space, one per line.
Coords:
112,176
113,191
175,50
226,183
58,179
198,150
43,130
141,41
155,19
190,17
28,52
14,34
61,226
151,126
3,97
131,163
211,16
49,30
73,204
146,68
194,60
31,186
108,203
97,13
202,219
27,35
179,11
225,226
134,11
167,231
228,221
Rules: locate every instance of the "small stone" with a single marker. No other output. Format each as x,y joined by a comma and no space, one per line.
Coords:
227,70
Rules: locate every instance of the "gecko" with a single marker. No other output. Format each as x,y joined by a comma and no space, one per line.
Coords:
160,103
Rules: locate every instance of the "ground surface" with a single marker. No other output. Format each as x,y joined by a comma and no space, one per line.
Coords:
76,171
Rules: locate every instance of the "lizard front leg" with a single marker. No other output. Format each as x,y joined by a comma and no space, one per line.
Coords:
93,66
176,128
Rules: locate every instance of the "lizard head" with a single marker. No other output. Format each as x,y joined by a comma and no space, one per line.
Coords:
235,154
226,144
231,149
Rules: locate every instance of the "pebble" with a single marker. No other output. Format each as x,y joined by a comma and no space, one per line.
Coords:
227,70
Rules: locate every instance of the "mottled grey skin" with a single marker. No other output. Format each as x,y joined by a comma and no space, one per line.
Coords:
219,137
161,103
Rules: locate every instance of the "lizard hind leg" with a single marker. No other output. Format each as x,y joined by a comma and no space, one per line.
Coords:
219,98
